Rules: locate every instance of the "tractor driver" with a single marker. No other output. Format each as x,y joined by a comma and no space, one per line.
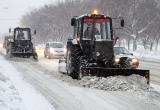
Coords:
20,35
88,31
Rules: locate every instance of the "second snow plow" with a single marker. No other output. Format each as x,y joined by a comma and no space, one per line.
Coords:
90,52
20,44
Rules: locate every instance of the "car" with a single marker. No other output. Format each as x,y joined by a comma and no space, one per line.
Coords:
54,50
125,58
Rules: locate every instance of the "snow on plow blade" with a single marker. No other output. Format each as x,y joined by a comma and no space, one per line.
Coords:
105,72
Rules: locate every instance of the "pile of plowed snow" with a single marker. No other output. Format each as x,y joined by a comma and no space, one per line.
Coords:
116,83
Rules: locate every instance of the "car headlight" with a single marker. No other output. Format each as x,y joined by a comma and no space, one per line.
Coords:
117,60
51,50
134,60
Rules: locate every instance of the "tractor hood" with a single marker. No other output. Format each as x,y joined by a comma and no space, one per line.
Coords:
103,51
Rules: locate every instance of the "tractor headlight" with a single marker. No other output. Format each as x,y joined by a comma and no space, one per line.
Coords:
97,53
52,50
134,60
117,60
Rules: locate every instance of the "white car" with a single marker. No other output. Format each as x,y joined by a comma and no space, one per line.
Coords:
54,50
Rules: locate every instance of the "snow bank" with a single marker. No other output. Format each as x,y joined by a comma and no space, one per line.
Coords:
116,83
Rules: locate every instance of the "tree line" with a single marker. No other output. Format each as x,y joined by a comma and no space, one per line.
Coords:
142,20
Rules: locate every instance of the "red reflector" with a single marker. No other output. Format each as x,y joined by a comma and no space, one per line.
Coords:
96,20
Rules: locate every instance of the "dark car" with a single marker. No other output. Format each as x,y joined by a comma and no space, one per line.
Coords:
54,50
125,58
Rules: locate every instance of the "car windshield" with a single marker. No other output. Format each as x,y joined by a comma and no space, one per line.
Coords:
100,28
22,35
56,45
121,50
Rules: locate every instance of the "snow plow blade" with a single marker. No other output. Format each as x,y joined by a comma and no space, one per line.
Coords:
103,72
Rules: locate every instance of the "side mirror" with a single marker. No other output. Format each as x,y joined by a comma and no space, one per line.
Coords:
35,32
122,22
73,22
9,30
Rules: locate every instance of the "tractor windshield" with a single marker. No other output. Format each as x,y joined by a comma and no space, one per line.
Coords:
99,28
22,35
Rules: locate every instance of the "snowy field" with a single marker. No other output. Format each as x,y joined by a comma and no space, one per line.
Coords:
40,86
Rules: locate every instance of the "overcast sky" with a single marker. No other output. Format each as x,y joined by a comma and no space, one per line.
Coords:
12,10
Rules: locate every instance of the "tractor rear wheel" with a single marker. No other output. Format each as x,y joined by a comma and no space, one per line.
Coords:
73,61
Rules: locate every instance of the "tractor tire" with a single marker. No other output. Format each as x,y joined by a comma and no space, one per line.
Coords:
83,63
73,61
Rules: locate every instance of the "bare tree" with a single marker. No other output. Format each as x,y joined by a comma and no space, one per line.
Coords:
52,22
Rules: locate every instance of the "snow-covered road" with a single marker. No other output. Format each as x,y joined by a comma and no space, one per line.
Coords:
65,94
